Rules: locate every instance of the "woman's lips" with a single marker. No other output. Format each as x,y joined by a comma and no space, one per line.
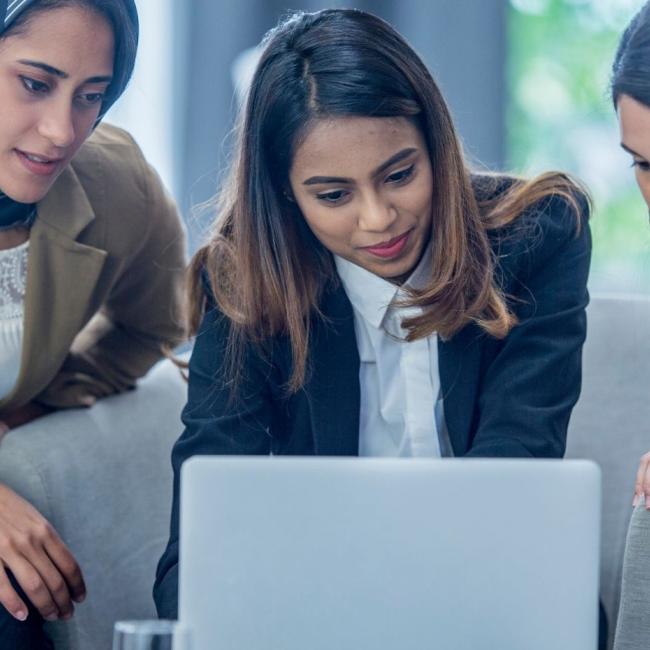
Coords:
39,165
391,248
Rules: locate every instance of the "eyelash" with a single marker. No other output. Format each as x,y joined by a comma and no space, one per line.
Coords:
643,165
400,177
35,87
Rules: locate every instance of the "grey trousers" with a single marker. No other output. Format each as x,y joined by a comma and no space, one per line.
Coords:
633,626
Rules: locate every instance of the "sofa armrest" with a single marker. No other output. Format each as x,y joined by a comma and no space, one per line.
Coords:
102,476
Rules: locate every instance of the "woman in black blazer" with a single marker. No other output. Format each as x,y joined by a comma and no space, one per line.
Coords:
352,231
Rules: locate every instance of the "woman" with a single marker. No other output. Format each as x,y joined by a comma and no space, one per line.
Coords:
631,97
91,259
363,293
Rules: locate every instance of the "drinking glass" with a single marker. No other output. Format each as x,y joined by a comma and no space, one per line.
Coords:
150,635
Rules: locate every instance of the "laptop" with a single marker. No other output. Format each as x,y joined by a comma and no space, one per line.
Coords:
287,553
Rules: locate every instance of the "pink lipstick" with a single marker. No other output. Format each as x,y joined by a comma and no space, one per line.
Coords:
39,165
391,248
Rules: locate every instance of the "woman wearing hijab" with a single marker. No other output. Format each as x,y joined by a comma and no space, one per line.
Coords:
631,97
91,261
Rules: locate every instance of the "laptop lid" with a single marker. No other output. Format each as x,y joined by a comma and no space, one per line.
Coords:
387,554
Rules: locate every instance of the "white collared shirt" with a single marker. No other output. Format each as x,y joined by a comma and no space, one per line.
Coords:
401,403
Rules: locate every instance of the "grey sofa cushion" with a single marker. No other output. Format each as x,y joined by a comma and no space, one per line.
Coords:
102,477
611,422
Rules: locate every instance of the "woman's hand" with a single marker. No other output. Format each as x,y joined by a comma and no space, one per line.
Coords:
642,484
40,562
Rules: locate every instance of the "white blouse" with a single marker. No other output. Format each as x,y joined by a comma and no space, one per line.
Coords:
13,280
401,411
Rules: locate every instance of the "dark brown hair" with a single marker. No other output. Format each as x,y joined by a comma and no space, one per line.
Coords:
266,269
631,69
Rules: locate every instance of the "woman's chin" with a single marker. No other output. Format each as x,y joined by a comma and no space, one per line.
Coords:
26,194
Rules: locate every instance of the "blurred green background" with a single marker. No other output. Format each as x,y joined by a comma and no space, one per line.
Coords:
560,116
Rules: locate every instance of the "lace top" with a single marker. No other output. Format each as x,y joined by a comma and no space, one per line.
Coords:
13,280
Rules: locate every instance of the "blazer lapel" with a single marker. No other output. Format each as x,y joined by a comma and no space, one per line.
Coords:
333,387
61,276
459,367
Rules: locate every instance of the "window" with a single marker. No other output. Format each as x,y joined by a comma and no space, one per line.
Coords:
560,117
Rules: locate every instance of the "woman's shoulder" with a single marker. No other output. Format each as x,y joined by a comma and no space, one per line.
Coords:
552,195
123,190
534,215
534,224
114,172
112,150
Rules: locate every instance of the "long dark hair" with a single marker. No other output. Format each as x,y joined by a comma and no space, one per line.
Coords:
631,69
266,269
122,16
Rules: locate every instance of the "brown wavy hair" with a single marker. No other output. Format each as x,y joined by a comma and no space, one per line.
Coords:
266,269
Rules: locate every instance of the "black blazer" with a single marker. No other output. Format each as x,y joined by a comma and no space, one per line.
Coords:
504,398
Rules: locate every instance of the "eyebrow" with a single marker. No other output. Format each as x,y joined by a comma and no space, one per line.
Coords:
63,75
398,157
631,151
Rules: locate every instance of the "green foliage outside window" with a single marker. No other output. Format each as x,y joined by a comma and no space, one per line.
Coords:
560,116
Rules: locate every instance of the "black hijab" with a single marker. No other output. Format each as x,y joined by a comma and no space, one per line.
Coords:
9,9
12,213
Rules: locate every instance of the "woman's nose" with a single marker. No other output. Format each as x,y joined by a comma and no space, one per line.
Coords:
57,125
376,215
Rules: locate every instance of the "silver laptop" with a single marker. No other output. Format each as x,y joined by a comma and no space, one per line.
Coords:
389,554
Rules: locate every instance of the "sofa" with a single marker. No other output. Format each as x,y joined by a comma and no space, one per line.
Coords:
102,476
611,422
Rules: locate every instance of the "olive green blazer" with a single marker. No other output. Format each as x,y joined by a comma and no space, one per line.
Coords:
104,278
